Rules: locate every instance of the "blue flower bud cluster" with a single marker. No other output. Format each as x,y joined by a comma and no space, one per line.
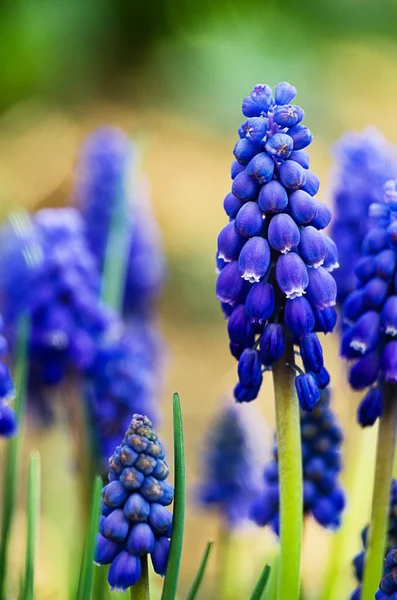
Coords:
370,311
103,188
388,584
123,380
134,521
359,559
274,261
8,421
323,496
363,162
231,465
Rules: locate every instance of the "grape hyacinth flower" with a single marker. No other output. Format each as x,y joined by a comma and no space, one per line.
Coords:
388,583
232,464
102,189
134,519
359,559
274,260
8,420
368,340
323,497
123,380
363,162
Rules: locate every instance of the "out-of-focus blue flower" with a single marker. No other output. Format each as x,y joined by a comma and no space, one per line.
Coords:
359,559
323,496
123,380
363,162
232,464
55,279
273,260
388,584
103,187
134,520
370,311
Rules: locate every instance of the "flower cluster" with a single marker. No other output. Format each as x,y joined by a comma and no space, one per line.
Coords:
123,381
388,585
370,311
363,162
274,261
102,190
232,464
359,560
323,496
8,422
134,521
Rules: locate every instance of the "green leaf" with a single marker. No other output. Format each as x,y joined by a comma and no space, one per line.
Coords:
174,559
261,584
200,573
14,447
86,578
33,518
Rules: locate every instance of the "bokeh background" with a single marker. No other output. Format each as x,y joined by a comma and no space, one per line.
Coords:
172,73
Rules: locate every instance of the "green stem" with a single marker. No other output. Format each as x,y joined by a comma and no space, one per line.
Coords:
380,500
224,555
32,526
14,448
141,590
290,475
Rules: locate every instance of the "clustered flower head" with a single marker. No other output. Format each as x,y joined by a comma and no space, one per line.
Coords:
232,464
370,311
363,162
123,380
107,186
134,521
8,421
388,584
273,259
391,542
323,496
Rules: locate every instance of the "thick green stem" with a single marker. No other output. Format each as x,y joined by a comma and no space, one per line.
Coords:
224,556
290,475
141,590
380,500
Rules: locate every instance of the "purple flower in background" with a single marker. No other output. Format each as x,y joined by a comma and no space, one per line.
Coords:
135,521
363,162
273,260
370,311
8,421
391,543
123,379
103,191
323,497
231,465
388,584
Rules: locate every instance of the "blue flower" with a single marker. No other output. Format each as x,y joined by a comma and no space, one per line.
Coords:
231,467
124,379
370,312
388,584
134,519
386,590
363,162
273,260
323,497
102,189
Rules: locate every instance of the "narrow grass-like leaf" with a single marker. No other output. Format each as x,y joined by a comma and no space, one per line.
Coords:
194,589
174,560
33,518
261,584
14,447
86,579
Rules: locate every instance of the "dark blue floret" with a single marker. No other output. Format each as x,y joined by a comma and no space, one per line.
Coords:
273,261
323,496
388,584
134,520
231,467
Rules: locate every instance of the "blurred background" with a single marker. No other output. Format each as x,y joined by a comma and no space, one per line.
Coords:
172,74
